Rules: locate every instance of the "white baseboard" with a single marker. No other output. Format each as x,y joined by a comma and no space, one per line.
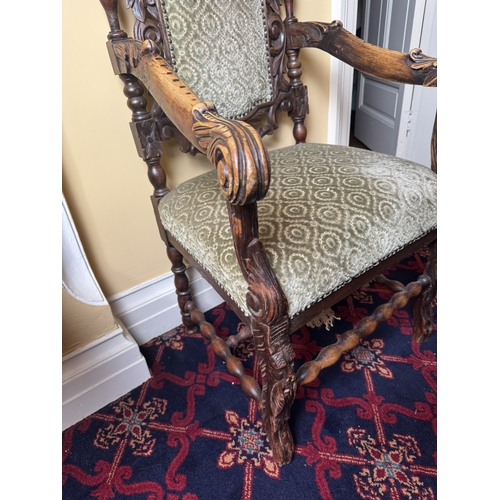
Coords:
99,373
151,308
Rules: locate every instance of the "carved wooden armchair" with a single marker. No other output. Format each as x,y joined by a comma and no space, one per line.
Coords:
284,234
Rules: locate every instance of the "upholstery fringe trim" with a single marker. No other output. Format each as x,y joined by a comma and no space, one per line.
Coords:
325,319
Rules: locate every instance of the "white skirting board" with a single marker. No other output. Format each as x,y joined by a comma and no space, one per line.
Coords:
113,365
99,373
151,308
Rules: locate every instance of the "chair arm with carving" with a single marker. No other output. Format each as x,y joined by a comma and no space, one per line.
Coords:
413,68
235,148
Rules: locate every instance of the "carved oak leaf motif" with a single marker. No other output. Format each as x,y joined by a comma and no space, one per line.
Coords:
426,64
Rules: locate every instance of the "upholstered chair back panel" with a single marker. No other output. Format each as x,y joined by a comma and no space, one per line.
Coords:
220,49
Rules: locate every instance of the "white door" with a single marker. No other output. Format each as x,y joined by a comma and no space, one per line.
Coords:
383,109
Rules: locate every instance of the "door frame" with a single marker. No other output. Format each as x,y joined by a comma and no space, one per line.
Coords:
423,102
341,77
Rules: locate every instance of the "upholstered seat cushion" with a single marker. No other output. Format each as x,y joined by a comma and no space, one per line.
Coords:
330,214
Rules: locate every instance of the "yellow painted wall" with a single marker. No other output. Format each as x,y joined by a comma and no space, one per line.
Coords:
104,181
82,323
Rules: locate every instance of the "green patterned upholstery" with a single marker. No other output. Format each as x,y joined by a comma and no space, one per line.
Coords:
220,50
331,213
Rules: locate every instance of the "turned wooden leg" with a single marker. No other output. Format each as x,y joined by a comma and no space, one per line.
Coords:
423,322
275,357
181,286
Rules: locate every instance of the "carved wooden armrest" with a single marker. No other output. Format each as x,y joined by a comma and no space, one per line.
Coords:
234,147
413,68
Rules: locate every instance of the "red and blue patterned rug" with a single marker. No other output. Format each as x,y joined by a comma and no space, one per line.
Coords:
365,429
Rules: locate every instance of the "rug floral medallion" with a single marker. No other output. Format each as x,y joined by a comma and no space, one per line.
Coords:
365,429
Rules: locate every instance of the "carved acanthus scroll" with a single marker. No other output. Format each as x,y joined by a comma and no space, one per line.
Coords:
427,65
236,150
309,34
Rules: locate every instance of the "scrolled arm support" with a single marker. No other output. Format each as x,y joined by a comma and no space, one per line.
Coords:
236,150
234,147
412,68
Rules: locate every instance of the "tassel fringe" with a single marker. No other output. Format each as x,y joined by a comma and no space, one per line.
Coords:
324,319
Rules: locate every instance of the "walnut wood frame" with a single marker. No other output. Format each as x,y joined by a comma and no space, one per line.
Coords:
242,162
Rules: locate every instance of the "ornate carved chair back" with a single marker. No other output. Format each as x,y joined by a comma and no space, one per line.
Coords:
229,53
